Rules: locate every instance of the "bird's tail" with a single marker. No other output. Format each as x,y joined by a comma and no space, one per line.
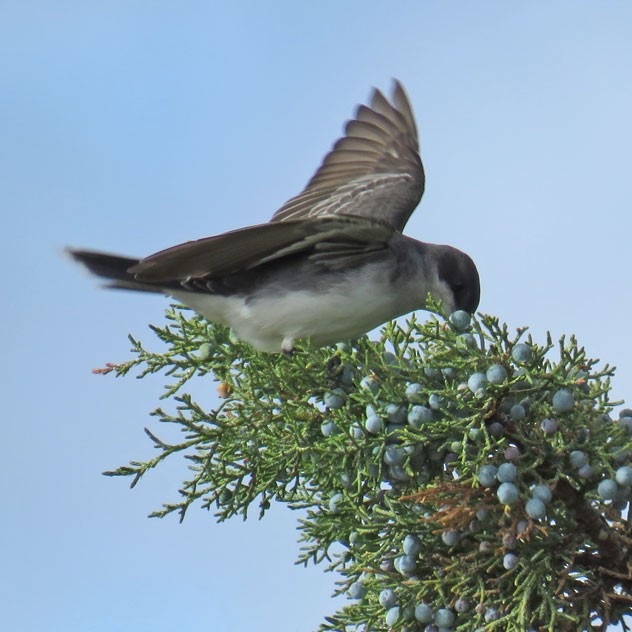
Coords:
114,268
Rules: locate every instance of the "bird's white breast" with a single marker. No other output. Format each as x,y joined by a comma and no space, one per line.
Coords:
271,320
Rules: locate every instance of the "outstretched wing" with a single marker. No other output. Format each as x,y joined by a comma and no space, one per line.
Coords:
373,171
332,241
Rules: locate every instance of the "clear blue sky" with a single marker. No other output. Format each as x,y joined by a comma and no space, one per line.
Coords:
132,126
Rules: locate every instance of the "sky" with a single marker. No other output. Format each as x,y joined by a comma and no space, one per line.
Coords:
133,126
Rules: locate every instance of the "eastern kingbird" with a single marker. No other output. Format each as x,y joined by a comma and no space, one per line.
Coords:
332,263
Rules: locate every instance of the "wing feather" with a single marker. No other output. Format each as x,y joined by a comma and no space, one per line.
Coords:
373,171
249,247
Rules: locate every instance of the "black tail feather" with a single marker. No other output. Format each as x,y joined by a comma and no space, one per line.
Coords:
112,267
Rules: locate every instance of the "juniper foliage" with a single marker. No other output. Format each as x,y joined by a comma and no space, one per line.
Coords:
393,447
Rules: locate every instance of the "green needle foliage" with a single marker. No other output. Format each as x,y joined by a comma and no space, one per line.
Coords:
392,449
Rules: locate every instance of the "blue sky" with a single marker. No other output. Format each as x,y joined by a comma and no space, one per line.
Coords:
132,126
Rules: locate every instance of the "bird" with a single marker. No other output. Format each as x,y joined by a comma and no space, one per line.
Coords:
332,263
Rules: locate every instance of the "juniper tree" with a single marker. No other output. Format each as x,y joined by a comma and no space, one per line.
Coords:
453,474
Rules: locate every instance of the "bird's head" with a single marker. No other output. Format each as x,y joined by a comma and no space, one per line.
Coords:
458,280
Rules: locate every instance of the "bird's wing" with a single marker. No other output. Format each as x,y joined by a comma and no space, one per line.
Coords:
333,241
373,171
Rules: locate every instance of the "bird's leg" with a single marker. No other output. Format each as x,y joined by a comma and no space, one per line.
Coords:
333,366
287,346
